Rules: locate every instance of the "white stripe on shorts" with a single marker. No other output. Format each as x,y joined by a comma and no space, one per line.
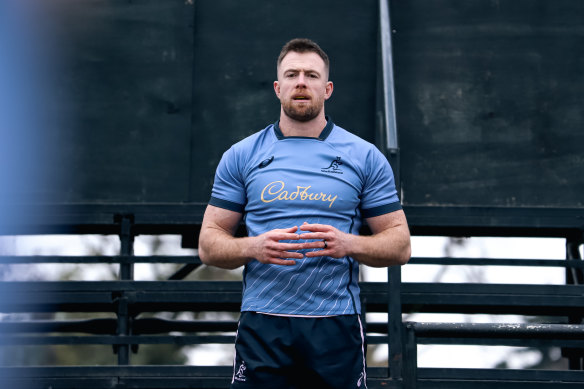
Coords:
363,352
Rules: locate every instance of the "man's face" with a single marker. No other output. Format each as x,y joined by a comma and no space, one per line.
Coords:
302,85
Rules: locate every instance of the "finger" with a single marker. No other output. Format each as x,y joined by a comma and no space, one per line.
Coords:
278,252
315,235
290,254
315,227
284,236
283,262
320,253
286,230
279,246
319,244
289,246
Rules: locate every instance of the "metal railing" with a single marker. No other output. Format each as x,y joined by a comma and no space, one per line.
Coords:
126,299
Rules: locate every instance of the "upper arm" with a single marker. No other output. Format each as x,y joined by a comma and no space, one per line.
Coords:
393,233
395,221
216,240
221,219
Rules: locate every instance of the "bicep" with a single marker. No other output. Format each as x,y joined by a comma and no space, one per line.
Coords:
217,218
393,221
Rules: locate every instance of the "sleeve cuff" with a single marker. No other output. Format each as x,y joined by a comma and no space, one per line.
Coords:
381,210
225,204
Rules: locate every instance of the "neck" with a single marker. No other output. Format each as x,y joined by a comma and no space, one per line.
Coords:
310,129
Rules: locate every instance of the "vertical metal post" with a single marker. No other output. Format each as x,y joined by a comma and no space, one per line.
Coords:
410,362
386,114
394,323
574,276
126,273
387,76
388,122
127,246
123,350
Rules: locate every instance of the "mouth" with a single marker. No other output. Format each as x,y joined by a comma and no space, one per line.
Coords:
300,98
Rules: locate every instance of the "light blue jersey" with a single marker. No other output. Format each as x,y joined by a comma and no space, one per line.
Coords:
280,182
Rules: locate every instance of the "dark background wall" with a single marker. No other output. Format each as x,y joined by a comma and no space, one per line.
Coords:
488,94
156,91
489,102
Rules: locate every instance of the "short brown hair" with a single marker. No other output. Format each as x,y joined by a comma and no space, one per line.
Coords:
303,45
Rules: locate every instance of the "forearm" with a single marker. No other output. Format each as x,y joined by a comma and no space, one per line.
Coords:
219,248
386,248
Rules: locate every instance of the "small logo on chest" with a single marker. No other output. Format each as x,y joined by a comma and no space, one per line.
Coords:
334,167
266,162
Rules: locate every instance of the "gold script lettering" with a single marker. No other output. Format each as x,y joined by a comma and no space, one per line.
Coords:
275,191
272,190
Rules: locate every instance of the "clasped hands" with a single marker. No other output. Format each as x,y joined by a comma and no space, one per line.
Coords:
326,239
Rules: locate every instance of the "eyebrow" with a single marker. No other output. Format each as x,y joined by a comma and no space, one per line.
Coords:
298,70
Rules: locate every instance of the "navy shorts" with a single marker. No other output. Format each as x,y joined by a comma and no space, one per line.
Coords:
296,352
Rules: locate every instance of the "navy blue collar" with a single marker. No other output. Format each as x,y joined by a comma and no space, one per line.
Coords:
323,135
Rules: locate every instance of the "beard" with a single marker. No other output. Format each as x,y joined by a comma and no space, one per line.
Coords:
303,113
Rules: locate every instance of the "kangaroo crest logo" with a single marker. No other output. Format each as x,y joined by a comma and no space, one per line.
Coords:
240,375
334,167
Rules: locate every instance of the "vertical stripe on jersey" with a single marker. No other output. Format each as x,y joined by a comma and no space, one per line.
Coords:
349,285
351,265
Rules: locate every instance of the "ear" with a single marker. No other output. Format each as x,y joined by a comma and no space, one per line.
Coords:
277,88
328,90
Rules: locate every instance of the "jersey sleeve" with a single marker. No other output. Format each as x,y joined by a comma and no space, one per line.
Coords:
379,194
228,187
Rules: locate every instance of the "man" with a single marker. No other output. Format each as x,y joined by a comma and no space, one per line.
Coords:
304,186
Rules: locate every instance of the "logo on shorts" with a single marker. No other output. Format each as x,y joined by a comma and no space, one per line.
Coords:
333,167
240,375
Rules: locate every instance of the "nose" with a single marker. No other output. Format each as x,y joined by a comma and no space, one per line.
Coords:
301,80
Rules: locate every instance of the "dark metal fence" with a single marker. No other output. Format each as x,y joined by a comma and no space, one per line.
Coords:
127,299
